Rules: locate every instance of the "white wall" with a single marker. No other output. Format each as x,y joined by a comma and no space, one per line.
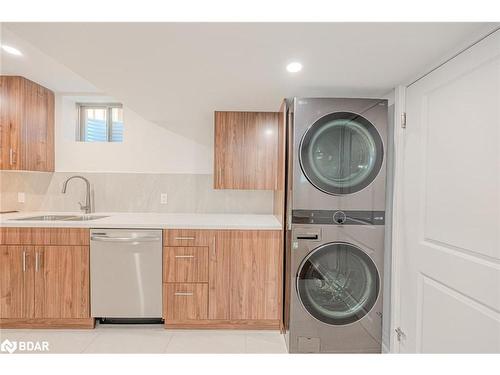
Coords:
146,147
128,176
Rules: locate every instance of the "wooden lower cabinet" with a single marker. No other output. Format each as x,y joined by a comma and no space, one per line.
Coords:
219,302
16,282
244,288
44,286
62,282
255,275
185,301
185,264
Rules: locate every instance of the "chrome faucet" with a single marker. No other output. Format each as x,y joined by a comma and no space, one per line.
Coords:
88,205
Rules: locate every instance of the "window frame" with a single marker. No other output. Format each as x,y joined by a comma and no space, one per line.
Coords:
81,127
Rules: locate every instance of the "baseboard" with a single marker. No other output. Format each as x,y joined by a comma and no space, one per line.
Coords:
85,323
224,324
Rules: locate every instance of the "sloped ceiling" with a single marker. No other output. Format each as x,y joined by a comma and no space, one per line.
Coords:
177,74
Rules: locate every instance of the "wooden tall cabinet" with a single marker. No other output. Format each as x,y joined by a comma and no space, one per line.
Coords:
26,125
246,150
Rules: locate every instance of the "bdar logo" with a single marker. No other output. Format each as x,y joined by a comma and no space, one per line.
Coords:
8,346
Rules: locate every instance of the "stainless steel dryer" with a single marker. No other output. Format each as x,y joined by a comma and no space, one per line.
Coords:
335,285
338,153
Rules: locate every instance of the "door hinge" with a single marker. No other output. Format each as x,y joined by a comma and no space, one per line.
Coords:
400,335
403,120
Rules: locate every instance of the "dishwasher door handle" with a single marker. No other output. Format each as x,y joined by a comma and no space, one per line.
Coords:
125,239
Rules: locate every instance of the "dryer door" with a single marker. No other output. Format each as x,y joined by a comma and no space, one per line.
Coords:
338,283
341,153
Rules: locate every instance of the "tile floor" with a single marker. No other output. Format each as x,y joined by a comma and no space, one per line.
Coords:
151,339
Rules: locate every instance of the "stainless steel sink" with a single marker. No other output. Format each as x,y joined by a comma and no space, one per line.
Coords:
45,218
85,217
61,218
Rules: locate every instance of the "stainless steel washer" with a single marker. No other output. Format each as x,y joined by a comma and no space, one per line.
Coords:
335,284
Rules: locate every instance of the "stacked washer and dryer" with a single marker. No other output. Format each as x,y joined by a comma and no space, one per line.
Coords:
335,224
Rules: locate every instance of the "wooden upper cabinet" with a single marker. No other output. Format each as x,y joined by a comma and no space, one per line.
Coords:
246,150
39,127
11,114
26,125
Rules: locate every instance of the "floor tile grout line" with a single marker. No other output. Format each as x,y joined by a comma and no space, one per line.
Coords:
97,334
165,351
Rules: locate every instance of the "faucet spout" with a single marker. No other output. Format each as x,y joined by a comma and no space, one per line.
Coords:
88,204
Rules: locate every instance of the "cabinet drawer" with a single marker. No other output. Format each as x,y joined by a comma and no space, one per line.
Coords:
183,301
45,236
61,236
185,264
15,236
188,237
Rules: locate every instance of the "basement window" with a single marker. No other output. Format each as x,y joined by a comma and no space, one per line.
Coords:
99,122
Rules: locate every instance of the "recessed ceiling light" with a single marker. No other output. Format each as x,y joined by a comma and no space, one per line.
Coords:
294,67
11,50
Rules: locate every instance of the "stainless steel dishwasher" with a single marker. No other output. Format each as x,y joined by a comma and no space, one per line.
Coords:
126,274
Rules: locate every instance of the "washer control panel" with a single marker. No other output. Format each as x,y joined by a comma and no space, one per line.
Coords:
339,217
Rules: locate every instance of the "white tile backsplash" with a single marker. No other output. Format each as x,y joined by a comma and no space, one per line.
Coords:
128,192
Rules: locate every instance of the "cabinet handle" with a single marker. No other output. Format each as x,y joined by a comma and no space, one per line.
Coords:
37,261
24,260
184,238
213,246
12,156
184,256
183,294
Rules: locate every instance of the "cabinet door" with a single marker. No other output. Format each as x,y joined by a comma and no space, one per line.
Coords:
246,150
62,282
16,282
38,127
220,275
256,275
11,111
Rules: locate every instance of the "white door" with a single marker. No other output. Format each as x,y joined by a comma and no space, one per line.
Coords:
450,207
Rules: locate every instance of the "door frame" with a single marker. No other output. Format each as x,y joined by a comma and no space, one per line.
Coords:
397,214
399,148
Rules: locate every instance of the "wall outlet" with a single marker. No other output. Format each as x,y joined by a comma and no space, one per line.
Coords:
163,198
21,197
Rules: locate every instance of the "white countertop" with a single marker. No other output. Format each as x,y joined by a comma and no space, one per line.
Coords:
148,220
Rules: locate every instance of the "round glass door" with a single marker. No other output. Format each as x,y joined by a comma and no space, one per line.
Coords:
341,153
338,283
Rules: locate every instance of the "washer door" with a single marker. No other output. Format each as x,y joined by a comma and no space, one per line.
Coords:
341,153
338,283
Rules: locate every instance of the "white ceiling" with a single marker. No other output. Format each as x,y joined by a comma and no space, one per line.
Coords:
177,74
40,68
